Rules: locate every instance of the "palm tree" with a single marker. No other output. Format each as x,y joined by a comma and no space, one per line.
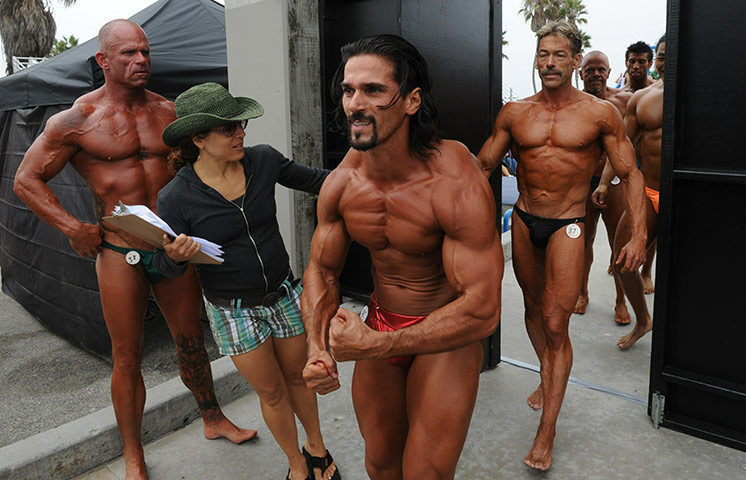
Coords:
539,12
27,28
572,11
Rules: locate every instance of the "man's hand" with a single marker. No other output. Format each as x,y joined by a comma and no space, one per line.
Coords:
86,239
181,249
320,373
598,197
351,339
632,256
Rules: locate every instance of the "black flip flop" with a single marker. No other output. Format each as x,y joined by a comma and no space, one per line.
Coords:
320,462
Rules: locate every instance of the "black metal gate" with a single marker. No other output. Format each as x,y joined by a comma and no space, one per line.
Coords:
462,44
698,366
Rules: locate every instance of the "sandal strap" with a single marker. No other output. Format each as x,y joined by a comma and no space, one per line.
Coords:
321,462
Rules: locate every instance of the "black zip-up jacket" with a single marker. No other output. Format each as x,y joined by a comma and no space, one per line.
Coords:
255,259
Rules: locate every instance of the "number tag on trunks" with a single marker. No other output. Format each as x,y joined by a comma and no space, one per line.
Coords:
572,230
132,257
364,313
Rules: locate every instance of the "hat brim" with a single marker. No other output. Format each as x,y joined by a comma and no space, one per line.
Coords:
189,125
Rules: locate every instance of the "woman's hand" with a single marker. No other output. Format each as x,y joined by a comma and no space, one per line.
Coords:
181,248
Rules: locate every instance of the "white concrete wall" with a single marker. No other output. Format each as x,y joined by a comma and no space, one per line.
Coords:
257,44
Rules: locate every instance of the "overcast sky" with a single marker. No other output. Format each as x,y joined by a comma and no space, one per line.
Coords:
611,25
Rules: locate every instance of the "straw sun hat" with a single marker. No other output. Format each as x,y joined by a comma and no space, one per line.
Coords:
207,106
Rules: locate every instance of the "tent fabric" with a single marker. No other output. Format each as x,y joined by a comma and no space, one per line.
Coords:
39,268
187,43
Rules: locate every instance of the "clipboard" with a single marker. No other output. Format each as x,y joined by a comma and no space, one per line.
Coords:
148,232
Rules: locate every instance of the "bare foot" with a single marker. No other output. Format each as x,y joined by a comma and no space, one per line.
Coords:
580,304
536,399
540,456
224,428
621,315
131,475
134,465
648,285
636,333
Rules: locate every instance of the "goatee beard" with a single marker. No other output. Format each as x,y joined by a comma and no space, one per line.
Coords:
354,138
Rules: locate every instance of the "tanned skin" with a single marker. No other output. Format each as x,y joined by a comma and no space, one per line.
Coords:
112,137
430,227
638,65
558,136
644,126
594,71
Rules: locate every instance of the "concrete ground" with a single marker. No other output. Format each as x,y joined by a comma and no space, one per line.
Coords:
603,431
46,382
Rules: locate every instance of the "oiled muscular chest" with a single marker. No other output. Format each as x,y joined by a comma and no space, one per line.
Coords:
399,218
122,156
650,110
568,128
116,135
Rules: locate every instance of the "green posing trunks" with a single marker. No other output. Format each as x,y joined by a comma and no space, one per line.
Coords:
144,258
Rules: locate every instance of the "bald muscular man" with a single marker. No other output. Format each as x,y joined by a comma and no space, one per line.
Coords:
112,137
594,71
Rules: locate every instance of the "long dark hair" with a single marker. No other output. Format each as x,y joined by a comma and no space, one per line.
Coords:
410,72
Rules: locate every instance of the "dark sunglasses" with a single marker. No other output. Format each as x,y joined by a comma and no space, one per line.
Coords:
229,129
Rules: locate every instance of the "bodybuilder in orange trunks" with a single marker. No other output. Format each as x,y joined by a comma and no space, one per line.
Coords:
644,126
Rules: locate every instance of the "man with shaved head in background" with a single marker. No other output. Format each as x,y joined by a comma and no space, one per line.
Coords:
594,71
112,137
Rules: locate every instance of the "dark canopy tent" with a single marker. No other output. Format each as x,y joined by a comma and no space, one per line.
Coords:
39,268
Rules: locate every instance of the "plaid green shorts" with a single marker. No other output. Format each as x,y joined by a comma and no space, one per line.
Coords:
238,330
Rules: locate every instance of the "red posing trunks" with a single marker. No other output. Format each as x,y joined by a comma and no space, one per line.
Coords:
381,320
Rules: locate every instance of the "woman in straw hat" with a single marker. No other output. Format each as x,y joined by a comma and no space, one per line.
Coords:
224,192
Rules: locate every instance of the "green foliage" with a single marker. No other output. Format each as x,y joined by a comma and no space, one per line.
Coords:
505,43
65,43
572,11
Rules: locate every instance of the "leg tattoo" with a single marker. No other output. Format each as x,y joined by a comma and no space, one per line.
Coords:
194,368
